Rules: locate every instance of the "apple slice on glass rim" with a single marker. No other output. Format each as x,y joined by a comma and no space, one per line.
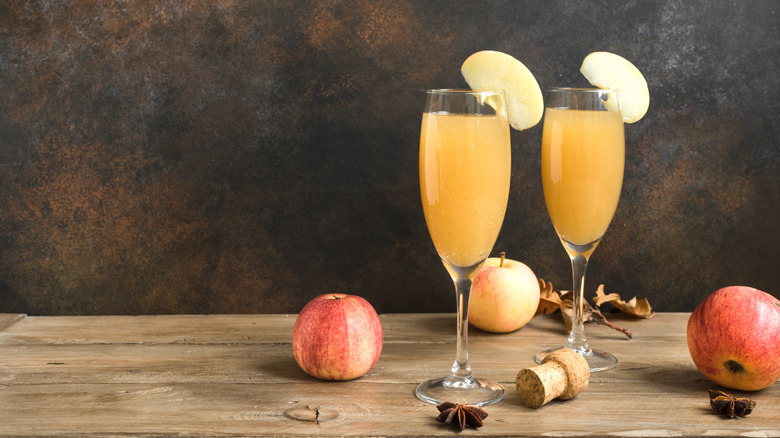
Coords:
497,71
607,70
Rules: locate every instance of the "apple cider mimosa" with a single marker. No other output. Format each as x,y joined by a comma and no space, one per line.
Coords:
464,186
464,182
583,150
582,171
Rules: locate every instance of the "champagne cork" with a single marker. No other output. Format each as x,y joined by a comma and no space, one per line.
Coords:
563,374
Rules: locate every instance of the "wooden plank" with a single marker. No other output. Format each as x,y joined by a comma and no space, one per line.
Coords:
252,329
85,352
273,363
350,408
234,360
146,329
207,329
7,319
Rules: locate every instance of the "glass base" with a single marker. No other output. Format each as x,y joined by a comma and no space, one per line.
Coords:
597,360
477,392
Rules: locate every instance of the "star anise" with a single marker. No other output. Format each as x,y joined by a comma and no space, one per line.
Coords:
461,416
730,406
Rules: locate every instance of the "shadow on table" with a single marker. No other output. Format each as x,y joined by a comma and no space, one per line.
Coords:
282,368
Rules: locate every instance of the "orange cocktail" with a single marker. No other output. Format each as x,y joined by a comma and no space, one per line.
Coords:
464,182
583,152
464,185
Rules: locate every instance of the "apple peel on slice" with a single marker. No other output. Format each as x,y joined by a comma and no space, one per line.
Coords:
607,70
489,70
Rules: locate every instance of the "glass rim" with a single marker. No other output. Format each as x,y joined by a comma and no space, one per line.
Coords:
601,99
582,90
462,91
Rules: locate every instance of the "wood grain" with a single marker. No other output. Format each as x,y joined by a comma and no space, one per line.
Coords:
234,375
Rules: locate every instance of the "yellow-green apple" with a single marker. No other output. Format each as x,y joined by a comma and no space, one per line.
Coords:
337,337
734,338
504,295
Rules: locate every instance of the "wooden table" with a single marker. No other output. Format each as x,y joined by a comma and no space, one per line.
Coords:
231,375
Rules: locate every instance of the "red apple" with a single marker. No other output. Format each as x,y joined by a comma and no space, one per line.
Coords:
337,337
504,296
734,338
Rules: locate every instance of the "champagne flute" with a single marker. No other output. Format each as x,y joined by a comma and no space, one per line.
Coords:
583,151
464,183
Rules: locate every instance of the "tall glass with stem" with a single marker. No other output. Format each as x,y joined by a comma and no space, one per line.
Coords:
464,183
583,151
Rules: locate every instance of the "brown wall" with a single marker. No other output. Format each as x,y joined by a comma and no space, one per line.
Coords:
245,156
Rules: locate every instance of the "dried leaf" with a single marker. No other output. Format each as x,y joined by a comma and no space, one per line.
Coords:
567,309
600,298
638,308
549,299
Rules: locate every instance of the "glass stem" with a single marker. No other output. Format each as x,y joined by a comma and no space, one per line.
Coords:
577,341
461,370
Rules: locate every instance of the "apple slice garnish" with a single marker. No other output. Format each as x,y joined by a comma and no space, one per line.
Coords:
497,71
607,70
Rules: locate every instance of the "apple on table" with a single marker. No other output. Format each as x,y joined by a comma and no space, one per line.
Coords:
734,338
337,337
504,295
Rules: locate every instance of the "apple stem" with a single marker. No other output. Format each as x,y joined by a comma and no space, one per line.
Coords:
502,255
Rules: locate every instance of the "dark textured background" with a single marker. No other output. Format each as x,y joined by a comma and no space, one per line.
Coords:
245,156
